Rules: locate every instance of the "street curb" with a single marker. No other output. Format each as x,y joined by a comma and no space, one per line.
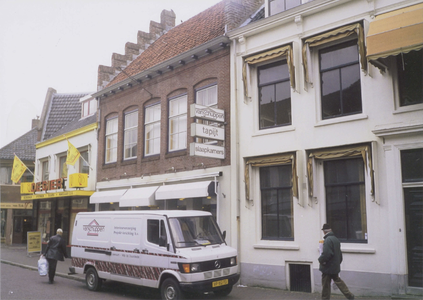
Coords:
36,269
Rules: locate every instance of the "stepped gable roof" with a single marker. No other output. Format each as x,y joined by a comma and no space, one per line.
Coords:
76,124
23,147
194,32
64,109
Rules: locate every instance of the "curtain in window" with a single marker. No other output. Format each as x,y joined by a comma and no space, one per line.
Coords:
331,36
265,56
271,161
363,151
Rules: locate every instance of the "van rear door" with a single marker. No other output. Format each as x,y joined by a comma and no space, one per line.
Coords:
156,248
125,249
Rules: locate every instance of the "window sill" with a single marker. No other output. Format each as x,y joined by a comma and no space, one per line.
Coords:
277,247
110,165
358,250
274,130
408,108
150,158
176,153
130,161
341,120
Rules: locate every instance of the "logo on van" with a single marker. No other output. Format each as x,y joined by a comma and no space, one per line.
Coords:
93,228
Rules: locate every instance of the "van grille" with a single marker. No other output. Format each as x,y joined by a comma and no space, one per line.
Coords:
217,273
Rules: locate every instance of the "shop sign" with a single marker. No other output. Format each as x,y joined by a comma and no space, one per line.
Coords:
207,113
205,150
207,131
56,184
15,205
78,180
26,188
34,241
57,195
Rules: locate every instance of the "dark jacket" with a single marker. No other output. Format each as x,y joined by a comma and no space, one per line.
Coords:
56,248
331,258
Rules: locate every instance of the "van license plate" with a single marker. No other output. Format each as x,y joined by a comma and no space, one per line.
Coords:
220,283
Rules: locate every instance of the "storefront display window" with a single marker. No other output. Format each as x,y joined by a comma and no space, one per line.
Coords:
44,220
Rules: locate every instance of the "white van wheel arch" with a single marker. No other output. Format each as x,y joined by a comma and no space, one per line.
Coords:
92,280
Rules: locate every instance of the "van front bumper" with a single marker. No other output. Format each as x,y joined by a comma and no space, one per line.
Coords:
207,285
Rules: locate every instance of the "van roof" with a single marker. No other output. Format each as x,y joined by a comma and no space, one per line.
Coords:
168,213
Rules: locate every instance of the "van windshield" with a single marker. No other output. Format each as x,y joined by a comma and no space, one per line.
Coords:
195,231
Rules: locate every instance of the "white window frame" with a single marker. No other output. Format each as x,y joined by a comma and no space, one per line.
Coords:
211,105
111,135
89,107
61,162
181,131
315,66
128,131
152,122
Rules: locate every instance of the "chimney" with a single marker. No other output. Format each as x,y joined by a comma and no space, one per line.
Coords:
35,123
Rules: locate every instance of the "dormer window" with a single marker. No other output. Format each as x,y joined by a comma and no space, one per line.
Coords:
89,106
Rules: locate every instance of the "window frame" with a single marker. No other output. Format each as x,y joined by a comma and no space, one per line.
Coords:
268,65
214,105
284,5
278,189
62,162
361,184
180,132
45,173
109,135
152,123
89,108
130,130
83,164
336,46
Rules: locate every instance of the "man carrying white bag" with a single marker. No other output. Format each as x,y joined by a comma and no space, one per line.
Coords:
42,266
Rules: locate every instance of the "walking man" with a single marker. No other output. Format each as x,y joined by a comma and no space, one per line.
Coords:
56,250
330,264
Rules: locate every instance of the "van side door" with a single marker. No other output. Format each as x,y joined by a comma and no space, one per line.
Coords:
125,260
156,254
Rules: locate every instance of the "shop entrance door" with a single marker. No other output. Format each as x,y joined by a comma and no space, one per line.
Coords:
21,226
413,198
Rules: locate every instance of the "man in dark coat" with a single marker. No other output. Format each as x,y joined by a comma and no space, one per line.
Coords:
330,264
56,250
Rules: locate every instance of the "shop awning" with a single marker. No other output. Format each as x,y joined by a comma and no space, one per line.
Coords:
107,196
138,197
396,32
185,190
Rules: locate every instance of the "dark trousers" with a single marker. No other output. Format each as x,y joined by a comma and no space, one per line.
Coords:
52,263
326,280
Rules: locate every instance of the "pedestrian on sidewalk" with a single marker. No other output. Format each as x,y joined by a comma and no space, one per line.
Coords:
330,264
56,250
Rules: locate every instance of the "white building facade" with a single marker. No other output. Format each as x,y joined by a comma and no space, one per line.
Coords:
327,127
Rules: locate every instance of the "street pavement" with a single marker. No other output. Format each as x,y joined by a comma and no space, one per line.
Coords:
18,256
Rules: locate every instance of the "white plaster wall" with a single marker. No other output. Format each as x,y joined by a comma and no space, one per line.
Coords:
385,252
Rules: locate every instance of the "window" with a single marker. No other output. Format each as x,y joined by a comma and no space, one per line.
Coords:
410,77
63,167
412,165
111,140
274,95
156,232
5,175
89,107
340,80
152,129
207,97
178,123
345,199
277,6
83,163
276,203
44,170
130,135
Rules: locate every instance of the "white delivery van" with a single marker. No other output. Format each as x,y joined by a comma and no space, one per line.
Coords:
175,251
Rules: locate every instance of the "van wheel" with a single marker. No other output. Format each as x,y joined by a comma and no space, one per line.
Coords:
223,292
92,280
170,290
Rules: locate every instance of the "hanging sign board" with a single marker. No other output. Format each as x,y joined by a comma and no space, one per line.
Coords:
205,150
207,113
207,131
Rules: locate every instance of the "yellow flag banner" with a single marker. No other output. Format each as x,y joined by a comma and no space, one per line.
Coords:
73,154
18,169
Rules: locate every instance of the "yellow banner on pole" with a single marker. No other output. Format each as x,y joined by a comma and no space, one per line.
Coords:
73,154
18,169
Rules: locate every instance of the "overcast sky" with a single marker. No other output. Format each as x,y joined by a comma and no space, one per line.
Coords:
61,43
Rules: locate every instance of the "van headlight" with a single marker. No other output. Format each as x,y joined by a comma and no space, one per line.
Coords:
190,268
233,261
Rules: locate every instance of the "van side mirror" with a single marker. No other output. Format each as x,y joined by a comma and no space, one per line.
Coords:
224,235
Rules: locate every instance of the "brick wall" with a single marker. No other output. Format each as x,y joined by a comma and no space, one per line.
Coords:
205,71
